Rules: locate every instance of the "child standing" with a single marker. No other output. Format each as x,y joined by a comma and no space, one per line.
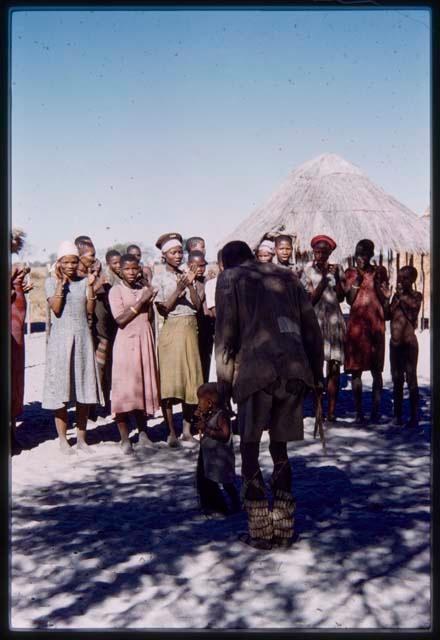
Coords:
404,347
216,461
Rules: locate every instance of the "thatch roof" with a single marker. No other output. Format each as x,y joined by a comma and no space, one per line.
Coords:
329,195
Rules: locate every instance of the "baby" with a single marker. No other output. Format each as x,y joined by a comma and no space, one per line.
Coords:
216,461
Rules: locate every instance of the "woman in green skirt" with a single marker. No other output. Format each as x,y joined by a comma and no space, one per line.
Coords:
180,369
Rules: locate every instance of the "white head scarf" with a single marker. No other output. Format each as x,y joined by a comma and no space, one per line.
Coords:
67,248
269,245
169,244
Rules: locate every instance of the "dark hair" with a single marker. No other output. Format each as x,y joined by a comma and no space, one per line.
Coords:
235,253
83,242
283,238
365,246
209,389
196,254
410,271
193,241
219,256
132,246
128,257
111,253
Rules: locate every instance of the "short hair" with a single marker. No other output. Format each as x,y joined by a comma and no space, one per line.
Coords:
235,253
410,271
193,241
365,246
210,390
219,256
196,254
83,241
128,257
132,246
283,238
111,253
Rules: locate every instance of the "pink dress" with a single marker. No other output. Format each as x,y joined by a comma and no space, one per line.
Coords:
135,382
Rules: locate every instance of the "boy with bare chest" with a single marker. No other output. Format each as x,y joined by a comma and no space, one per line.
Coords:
404,348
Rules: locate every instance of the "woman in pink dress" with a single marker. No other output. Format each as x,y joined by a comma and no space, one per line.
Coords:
135,386
368,295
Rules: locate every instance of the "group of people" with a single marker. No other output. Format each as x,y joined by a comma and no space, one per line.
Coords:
130,341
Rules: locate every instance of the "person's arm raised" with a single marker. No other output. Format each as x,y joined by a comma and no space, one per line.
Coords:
124,316
57,300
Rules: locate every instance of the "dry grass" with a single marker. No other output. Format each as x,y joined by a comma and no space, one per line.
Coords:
329,195
37,297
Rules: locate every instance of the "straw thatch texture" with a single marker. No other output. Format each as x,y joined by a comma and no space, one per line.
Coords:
330,195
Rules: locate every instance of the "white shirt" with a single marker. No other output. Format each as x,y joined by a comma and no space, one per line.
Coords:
210,287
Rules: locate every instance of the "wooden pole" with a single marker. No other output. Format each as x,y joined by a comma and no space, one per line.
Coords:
381,258
411,260
397,263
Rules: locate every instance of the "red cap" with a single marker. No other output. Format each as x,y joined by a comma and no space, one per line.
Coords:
331,243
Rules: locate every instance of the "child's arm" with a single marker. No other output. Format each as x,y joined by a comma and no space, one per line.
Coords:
221,431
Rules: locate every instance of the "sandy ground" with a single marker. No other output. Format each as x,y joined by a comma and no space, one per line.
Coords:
108,541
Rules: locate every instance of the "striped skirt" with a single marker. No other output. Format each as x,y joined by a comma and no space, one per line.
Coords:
180,369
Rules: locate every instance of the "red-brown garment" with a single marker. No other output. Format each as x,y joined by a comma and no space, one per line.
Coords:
365,340
18,314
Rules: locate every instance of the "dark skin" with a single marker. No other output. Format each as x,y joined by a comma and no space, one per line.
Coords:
403,311
205,410
383,291
283,251
173,260
144,271
129,273
321,254
264,255
114,264
66,271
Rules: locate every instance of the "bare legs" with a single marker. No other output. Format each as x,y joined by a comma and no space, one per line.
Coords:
167,410
187,414
333,373
61,424
124,431
356,383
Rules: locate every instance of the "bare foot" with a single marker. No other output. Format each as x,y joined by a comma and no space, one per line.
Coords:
173,442
126,447
83,446
187,437
144,440
66,448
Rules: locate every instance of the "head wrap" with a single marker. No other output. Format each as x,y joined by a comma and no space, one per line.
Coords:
169,244
67,248
267,244
169,240
322,238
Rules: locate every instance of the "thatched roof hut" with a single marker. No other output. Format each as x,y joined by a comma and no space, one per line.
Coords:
330,195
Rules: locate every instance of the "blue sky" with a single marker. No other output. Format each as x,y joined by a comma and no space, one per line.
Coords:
127,124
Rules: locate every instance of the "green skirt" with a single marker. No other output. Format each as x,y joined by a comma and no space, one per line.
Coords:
180,369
